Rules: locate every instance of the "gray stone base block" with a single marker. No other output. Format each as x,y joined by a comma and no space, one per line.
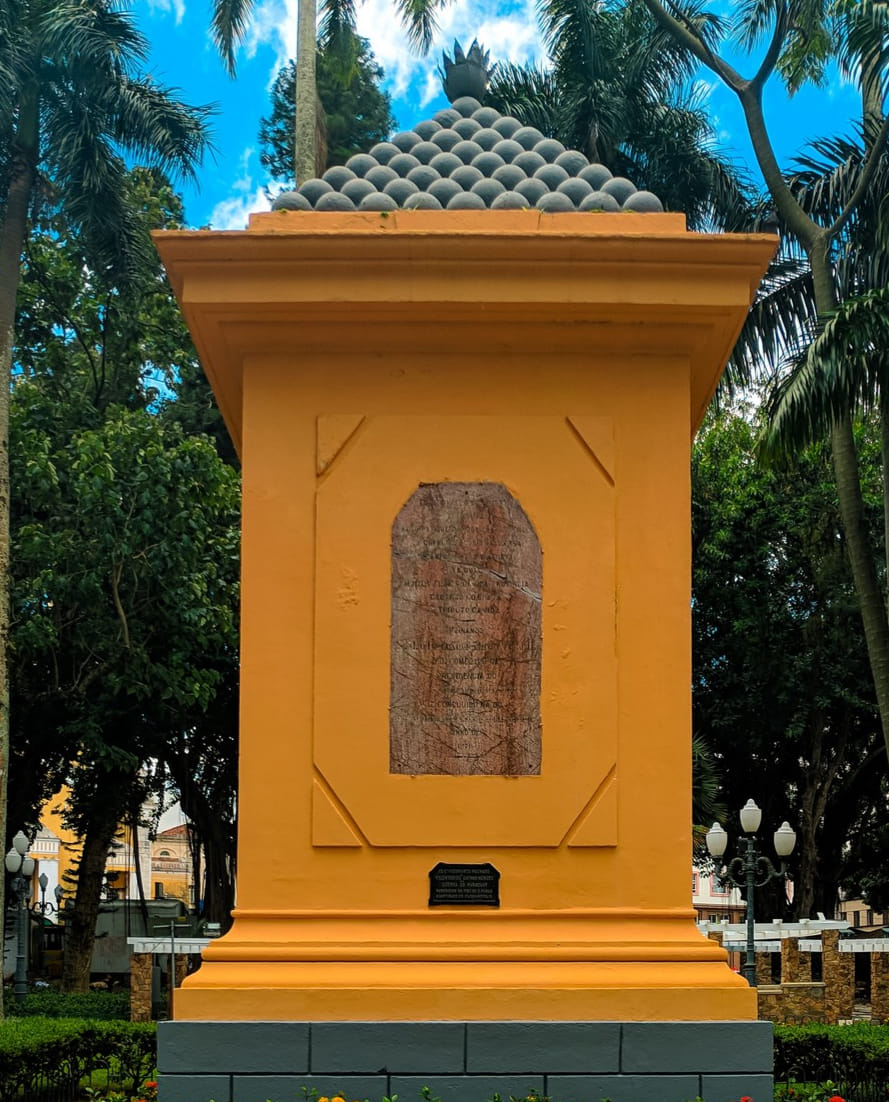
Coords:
464,1061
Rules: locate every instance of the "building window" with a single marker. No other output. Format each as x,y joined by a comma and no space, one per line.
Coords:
158,890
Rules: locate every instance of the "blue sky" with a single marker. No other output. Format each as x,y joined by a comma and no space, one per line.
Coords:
231,184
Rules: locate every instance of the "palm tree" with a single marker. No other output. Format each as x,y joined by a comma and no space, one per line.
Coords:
72,104
230,20
620,90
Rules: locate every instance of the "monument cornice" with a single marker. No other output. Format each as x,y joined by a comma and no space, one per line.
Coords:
414,275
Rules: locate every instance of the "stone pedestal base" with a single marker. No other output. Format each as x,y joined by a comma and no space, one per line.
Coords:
465,1061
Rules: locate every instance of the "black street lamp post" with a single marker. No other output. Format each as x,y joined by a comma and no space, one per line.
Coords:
751,869
21,868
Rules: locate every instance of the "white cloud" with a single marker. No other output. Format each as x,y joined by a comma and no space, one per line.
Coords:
233,212
177,7
507,28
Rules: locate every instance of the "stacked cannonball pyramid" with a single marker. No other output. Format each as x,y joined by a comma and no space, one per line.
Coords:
469,157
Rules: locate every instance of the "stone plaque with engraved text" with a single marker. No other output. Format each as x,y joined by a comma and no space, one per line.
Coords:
466,633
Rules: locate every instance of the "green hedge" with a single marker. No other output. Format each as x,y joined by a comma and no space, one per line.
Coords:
853,1056
37,1054
97,1006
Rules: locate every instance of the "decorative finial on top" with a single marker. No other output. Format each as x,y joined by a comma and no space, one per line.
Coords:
466,74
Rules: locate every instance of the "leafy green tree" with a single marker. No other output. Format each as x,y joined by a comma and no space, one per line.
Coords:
799,38
357,113
125,591
620,90
73,103
230,20
781,689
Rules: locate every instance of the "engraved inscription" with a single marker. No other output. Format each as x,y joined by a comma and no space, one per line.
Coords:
464,885
466,633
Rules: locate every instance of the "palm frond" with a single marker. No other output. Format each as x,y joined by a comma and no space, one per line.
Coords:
228,25
845,367
781,319
420,21
336,24
82,34
530,94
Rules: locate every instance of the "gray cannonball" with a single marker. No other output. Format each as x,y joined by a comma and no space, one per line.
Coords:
549,149
446,139
466,128
552,175
620,187
506,125
360,163
509,175
645,201
466,200
531,189
406,140
380,176
487,137
444,190
488,189
383,152
314,189
511,200
554,201
486,116
467,151
357,189
403,163
427,128
421,200
337,175
423,176
378,201
291,200
447,117
466,106
595,175
599,200
487,163
399,190
572,161
334,200
425,151
445,163
508,150
466,176
576,189
527,136
529,162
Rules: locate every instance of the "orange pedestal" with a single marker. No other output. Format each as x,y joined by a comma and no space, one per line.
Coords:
568,358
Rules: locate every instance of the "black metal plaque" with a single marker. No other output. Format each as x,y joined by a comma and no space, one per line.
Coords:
464,885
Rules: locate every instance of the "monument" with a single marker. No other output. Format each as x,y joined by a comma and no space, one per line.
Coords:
464,415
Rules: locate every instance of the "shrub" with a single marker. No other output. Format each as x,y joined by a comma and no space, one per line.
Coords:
854,1056
38,1054
96,1006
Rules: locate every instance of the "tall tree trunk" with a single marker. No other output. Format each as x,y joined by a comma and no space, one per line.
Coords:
306,93
81,925
23,163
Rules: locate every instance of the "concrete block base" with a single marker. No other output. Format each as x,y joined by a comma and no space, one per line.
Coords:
202,1061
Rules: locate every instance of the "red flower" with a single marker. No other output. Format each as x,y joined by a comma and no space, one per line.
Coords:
835,1098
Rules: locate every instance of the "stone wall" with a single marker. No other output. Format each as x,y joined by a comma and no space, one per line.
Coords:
879,987
792,1003
140,987
838,973
796,967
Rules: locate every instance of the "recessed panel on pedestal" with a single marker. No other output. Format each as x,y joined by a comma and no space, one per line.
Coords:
465,639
